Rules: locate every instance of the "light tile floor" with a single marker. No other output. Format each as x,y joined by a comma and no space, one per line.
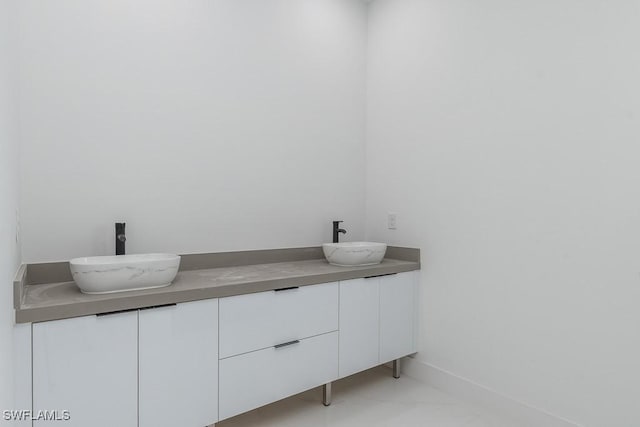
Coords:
372,399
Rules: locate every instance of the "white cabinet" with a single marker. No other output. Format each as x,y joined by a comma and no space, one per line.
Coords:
22,371
255,321
195,363
154,368
378,320
398,315
359,325
88,366
254,379
178,369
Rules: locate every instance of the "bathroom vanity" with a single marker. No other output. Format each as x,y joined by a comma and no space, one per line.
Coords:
219,342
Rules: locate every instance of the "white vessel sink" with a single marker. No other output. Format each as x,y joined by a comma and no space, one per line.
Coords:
350,254
107,274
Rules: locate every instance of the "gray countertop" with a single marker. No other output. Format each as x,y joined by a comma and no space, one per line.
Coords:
50,301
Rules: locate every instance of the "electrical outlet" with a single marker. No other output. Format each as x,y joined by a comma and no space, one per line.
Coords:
392,221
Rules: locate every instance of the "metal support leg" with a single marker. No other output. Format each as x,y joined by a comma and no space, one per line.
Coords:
396,368
326,394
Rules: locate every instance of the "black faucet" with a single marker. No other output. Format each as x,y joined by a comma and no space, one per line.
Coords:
120,238
337,230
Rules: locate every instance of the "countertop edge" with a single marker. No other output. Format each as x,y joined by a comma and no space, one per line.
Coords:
19,284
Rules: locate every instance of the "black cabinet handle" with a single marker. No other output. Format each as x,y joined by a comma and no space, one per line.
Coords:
109,313
380,275
158,306
286,289
286,344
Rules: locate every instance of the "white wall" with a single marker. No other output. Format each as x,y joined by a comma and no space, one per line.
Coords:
205,125
504,134
9,252
506,137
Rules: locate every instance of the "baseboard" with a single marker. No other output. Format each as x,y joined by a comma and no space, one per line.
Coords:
483,396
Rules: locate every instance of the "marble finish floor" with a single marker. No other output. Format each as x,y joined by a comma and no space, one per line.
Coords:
372,399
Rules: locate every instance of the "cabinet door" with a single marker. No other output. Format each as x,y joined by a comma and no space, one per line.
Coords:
398,314
359,325
89,367
179,365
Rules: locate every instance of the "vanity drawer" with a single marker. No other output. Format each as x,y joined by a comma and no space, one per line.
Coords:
256,321
254,379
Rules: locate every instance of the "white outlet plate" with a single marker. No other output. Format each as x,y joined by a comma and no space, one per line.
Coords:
392,221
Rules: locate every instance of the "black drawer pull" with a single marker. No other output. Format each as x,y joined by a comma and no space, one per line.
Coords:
380,275
158,306
109,313
286,289
286,344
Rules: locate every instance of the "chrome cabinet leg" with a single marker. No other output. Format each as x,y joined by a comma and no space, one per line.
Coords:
326,394
396,368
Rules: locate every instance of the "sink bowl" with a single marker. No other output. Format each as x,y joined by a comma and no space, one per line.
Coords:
107,274
351,254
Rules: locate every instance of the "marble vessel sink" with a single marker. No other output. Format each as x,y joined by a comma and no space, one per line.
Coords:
107,274
351,254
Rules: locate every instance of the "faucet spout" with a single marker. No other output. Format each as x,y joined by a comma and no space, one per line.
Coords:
337,230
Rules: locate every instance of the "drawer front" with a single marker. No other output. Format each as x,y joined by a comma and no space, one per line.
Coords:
255,379
256,321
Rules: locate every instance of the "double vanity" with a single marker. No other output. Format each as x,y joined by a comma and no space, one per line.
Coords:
235,331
